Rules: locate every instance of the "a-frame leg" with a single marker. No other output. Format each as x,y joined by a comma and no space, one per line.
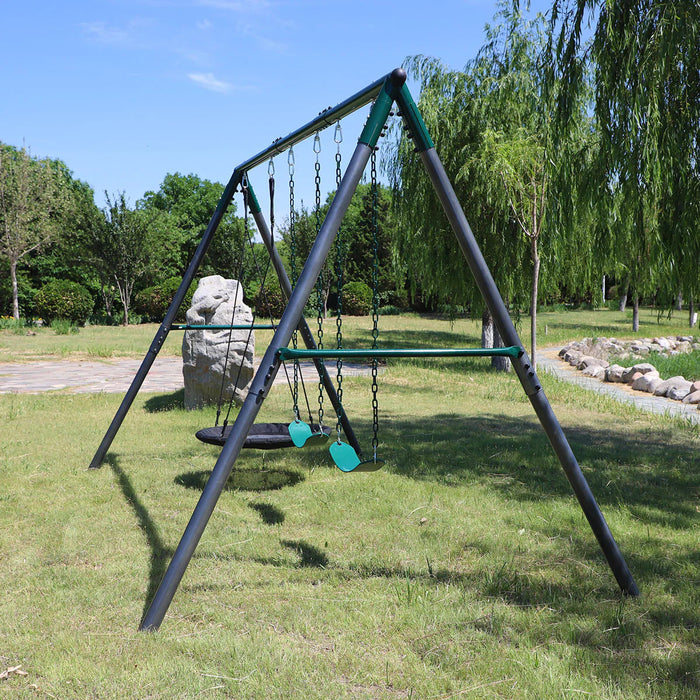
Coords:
522,364
164,329
261,385
306,334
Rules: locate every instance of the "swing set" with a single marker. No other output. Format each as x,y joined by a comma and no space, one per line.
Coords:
347,454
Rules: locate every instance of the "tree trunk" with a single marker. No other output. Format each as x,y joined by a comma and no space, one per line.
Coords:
691,312
15,290
623,294
635,312
486,330
679,302
502,364
533,301
603,291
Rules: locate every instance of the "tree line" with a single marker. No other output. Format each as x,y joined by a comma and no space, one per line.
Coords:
573,153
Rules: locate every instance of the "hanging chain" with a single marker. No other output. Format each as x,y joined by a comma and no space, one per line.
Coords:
375,300
293,265
271,181
338,138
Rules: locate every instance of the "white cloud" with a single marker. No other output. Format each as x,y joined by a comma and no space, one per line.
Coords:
210,82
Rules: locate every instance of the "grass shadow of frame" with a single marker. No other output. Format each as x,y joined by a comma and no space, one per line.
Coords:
160,554
166,402
246,479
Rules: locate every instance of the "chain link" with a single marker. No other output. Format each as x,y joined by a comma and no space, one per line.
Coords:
375,300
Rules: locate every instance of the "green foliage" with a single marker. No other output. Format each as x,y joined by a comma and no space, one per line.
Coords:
269,301
62,326
63,299
357,299
153,302
684,364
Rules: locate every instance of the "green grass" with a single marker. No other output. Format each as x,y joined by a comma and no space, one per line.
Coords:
684,365
555,328
464,568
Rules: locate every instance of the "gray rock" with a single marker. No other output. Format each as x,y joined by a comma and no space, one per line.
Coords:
668,384
589,360
614,373
647,382
642,368
679,392
693,397
595,371
211,357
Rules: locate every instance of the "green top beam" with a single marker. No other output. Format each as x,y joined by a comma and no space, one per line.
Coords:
290,353
413,120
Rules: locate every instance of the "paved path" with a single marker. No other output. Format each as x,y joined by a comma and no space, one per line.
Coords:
549,361
89,377
115,376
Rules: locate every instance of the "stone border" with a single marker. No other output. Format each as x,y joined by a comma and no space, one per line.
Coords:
592,356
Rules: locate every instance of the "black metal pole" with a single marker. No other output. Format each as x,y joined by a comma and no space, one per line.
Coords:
304,329
170,315
526,372
258,391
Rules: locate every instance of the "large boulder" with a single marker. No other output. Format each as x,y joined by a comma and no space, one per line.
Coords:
213,357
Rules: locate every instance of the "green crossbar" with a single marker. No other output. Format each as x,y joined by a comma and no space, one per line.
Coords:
291,353
235,327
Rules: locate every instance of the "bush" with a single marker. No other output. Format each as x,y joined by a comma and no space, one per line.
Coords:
61,326
270,301
357,299
153,302
62,299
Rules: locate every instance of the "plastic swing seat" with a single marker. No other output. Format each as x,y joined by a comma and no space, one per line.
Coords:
347,460
262,436
303,435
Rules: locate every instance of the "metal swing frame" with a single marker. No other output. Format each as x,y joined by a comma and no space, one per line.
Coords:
386,92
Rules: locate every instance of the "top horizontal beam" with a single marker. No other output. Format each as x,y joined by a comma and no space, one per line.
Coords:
325,119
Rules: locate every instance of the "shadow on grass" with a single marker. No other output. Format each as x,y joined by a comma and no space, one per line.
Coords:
245,479
655,479
271,515
166,402
160,554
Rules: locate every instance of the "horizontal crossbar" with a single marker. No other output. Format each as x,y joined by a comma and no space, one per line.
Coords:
234,327
291,353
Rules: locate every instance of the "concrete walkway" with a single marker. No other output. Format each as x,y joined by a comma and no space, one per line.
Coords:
81,377
115,376
549,361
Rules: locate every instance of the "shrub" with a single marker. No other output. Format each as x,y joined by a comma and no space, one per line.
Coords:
357,299
154,302
62,326
62,299
270,301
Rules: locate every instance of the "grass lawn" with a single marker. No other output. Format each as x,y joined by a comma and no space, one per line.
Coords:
464,568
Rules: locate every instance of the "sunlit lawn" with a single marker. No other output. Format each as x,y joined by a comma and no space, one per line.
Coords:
464,568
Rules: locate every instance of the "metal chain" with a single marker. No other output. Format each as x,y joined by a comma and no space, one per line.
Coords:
319,280
293,265
375,300
338,138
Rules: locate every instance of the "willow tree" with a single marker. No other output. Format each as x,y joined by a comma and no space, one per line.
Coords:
491,123
646,66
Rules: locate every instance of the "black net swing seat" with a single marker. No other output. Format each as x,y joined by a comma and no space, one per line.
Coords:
262,436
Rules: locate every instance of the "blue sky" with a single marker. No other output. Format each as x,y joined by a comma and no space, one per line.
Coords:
125,91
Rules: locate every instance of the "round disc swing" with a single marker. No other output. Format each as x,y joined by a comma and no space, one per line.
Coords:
343,454
262,436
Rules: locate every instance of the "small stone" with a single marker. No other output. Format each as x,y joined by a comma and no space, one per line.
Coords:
595,371
647,382
668,384
642,367
614,373
692,398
